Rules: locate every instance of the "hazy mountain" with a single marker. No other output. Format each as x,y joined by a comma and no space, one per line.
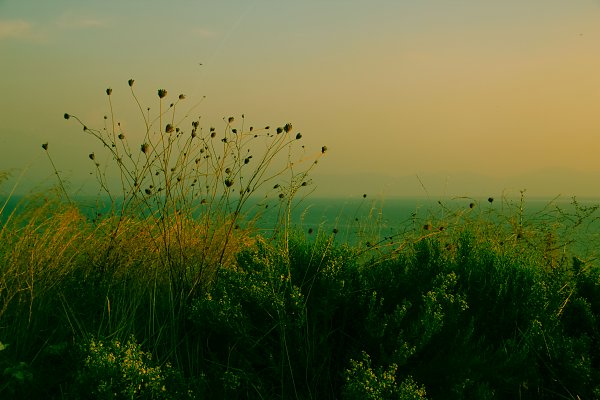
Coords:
541,183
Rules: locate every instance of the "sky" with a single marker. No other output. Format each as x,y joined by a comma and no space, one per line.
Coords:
427,97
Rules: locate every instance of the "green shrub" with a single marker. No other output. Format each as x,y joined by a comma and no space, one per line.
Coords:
362,382
116,370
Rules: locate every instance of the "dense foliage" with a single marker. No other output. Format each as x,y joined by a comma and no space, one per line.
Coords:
455,315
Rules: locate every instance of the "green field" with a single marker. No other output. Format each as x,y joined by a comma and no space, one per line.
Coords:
128,308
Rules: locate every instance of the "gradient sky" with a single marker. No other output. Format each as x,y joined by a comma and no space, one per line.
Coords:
471,96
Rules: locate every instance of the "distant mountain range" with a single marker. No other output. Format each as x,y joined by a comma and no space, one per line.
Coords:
549,182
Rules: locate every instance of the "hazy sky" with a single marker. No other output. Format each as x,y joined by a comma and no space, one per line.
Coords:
472,96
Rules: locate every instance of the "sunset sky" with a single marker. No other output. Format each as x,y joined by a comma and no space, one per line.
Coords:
465,97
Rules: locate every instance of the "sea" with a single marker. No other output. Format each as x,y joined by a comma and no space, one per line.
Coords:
363,218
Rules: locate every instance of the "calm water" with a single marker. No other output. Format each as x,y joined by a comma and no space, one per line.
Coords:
361,219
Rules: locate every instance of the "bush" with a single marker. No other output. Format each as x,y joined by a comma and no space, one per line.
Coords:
116,370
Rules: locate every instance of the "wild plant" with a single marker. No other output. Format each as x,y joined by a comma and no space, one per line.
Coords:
193,185
176,202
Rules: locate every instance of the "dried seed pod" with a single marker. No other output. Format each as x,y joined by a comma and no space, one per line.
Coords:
145,148
287,127
169,128
45,146
298,135
162,93
130,82
109,91
66,116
